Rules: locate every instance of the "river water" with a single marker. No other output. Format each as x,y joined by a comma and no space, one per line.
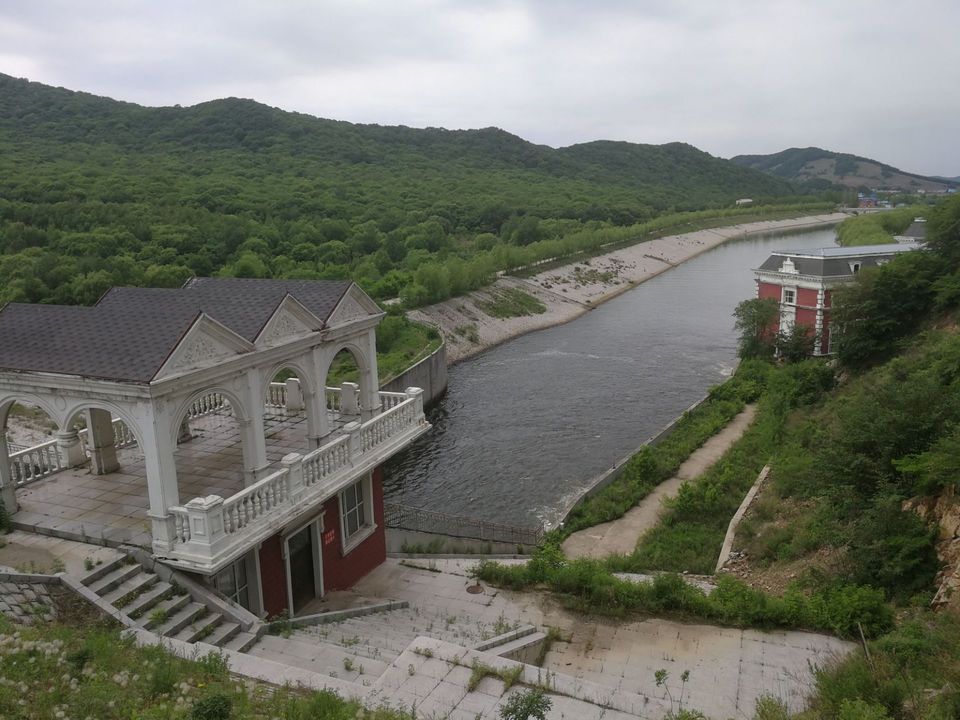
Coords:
525,426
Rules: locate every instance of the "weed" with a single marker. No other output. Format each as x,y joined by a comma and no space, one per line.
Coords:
88,564
348,664
526,705
157,617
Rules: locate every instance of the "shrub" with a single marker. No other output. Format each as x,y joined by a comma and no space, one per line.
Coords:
216,705
526,705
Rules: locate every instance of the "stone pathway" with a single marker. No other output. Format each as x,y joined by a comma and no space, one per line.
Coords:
621,536
729,668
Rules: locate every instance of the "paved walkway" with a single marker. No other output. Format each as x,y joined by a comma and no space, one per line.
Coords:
729,668
621,536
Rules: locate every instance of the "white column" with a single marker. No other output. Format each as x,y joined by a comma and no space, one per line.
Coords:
8,491
70,449
252,440
103,452
349,398
161,478
370,379
317,365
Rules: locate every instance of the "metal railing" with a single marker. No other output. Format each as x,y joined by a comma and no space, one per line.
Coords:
404,517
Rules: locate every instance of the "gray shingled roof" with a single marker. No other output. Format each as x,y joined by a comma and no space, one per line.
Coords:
130,332
835,261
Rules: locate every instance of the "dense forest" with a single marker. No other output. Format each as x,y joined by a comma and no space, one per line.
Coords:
96,192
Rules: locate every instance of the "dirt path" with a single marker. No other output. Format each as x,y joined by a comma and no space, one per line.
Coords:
621,535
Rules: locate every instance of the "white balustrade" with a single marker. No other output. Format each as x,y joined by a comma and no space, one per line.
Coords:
390,400
277,395
326,461
334,399
35,462
207,405
208,529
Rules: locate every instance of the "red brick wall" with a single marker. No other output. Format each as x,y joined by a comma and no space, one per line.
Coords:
342,571
806,316
768,290
273,576
806,296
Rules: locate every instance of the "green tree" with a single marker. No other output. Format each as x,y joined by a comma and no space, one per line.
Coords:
754,321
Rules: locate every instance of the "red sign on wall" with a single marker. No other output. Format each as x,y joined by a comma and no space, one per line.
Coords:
329,537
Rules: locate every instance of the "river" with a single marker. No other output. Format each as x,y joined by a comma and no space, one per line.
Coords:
526,425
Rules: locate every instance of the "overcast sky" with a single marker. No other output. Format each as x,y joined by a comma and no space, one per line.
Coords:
879,79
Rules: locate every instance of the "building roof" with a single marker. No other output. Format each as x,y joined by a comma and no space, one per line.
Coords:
834,261
130,332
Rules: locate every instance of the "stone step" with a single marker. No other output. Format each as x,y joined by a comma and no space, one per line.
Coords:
101,570
115,578
241,642
169,606
319,657
200,629
132,587
146,600
180,619
222,634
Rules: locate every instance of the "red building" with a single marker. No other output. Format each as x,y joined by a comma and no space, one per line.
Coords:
802,283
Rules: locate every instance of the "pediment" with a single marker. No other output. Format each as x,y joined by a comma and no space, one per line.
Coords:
206,343
289,321
354,305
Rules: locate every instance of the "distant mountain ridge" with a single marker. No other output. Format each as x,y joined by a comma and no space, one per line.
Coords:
824,168
657,176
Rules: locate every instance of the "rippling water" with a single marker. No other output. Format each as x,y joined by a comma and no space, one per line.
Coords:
526,425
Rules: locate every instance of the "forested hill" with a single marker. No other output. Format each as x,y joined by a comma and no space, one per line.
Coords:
825,168
94,191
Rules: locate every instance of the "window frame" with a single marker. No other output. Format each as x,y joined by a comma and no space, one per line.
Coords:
365,528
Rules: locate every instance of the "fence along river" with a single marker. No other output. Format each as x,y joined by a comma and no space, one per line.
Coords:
524,426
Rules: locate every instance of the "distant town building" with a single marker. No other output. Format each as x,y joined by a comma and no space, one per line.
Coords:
802,282
743,202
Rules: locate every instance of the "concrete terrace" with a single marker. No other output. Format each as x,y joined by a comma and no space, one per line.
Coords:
729,668
112,508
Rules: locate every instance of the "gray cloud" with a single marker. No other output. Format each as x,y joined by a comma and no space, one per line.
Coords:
749,76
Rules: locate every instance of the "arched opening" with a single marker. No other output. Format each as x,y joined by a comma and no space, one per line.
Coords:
288,418
30,434
209,446
107,441
345,386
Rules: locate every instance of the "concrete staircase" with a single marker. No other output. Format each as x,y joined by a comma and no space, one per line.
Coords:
360,649
163,607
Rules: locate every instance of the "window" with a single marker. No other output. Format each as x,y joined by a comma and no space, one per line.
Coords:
231,582
789,296
855,267
351,504
356,513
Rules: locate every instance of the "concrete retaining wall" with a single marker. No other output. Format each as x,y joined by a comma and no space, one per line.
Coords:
605,478
430,374
397,538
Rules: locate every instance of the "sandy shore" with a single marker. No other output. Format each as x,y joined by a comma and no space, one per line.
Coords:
571,290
